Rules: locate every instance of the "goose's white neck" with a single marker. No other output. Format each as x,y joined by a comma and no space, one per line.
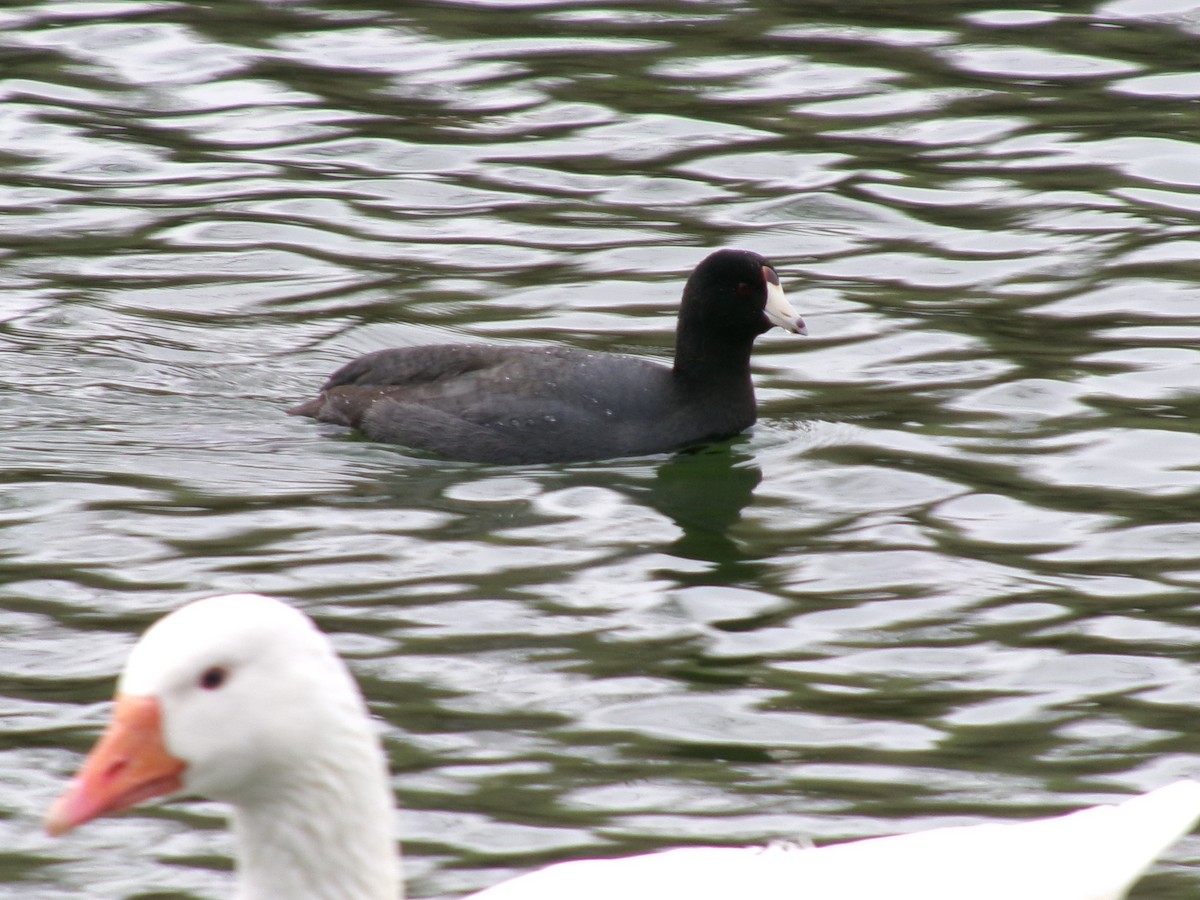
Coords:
322,831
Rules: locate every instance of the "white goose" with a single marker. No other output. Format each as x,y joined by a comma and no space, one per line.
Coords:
241,699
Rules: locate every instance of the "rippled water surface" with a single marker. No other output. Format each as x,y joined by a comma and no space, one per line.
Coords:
950,576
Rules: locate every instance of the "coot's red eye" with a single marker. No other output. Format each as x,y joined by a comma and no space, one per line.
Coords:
743,290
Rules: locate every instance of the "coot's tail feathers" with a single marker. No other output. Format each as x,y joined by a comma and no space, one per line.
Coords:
310,408
342,406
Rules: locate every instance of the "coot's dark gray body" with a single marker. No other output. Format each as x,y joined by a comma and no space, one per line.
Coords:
520,405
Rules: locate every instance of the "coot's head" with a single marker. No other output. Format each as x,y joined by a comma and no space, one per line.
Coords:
736,294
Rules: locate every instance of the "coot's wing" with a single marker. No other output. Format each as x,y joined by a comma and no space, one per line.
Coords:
398,367
416,365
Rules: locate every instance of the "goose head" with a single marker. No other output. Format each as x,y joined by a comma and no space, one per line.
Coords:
241,699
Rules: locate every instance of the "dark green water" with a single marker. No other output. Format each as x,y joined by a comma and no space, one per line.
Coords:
950,576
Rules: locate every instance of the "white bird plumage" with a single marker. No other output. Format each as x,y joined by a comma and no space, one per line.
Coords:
242,699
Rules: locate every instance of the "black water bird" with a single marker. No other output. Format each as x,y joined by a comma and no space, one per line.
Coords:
523,404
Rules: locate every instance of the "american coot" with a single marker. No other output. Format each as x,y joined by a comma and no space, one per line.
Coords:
556,404
241,699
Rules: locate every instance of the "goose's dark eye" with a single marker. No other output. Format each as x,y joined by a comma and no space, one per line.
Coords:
213,678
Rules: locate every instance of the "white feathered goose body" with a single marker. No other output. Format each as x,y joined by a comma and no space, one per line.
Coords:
241,699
